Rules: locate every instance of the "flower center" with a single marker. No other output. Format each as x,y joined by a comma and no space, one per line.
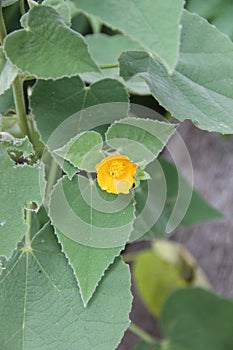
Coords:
116,169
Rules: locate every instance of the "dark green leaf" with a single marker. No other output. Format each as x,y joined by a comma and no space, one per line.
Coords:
157,198
197,319
63,109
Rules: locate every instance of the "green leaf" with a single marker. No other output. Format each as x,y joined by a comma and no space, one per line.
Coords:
48,34
201,86
155,279
88,263
18,185
153,24
197,319
223,20
63,108
167,194
8,72
83,151
62,7
208,9
53,103
105,50
142,345
6,101
161,270
90,216
138,138
42,307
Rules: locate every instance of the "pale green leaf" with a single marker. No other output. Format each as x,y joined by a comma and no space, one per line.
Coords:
65,107
105,50
154,24
162,269
138,138
90,216
6,101
62,7
8,72
47,34
88,263
8,2
83,151
201,87
197,319
42,307
155,279
18,185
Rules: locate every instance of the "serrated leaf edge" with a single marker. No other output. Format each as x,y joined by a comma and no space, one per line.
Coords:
85,302
151,120
69,143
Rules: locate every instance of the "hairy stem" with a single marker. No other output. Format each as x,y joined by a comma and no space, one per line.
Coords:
3,32
20,107
142,334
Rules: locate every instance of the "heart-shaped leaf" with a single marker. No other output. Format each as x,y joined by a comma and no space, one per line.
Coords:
201,86
63,108
48,48
154,24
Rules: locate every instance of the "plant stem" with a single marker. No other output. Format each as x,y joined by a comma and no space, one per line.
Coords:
28,221
142,334
52,176
22,7
3,32
107,66
20,106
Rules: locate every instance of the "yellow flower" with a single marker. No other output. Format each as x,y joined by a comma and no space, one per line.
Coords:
115,174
